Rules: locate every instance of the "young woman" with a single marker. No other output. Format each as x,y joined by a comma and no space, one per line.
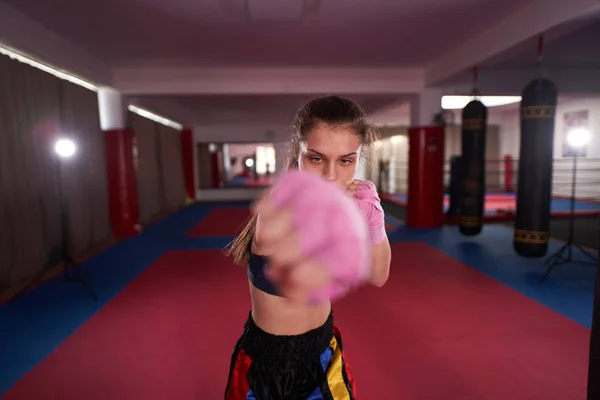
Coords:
290,348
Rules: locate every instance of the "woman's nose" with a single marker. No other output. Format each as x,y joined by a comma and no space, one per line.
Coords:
329,172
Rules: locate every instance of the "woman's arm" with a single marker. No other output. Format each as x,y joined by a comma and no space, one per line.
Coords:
382,257
381,250
256,242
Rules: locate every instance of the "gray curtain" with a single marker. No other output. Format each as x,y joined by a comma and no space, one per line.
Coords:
172,168
31,120
84,177
160,178
149,174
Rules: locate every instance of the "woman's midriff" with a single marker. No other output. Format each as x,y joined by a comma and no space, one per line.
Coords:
281,316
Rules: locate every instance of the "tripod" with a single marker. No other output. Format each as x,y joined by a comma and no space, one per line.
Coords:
68,263
559,258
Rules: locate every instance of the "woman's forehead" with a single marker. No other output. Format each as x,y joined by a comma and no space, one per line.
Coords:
332,140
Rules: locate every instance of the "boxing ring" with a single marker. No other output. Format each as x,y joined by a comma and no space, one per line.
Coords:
501,184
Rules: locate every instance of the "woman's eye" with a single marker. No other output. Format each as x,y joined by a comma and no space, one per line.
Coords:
315,159
346,162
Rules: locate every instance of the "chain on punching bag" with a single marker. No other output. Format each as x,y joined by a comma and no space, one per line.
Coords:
474,127
538,108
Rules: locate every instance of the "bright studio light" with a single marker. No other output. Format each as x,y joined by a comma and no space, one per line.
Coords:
65,148
459,102
578,137
249,163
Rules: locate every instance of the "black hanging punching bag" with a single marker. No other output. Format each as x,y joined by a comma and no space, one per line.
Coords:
538,108
474,127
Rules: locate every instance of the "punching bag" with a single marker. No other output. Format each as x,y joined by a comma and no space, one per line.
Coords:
538,108
474,127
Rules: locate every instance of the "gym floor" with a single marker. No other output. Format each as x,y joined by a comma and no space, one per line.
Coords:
460,318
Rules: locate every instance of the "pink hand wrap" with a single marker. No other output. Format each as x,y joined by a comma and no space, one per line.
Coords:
370,204
332,229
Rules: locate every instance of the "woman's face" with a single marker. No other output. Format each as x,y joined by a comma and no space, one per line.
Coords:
332,152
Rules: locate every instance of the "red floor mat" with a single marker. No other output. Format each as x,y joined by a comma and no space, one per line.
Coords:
494,201
223,221
168,335
437,330
500,201
441,330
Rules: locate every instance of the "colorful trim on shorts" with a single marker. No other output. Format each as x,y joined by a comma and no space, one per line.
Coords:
340,382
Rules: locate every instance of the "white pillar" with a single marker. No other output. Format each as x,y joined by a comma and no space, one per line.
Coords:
227,162
281,151
112,110
424,106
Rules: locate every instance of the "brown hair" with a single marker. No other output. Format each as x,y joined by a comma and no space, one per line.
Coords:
330,110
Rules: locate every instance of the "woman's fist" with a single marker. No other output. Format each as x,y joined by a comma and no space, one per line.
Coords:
315,237
295,274
368,200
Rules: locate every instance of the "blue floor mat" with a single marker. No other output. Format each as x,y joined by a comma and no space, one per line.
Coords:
35,323
568,290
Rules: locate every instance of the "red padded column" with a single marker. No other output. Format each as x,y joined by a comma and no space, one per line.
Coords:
122,183
425,205
187,155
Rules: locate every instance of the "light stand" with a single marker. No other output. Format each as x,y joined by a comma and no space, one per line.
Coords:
65,148
577,140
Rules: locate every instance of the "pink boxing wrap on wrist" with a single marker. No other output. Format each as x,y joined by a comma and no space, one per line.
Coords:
368,200
331,227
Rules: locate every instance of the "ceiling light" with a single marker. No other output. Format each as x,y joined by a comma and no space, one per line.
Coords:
154,117
48,69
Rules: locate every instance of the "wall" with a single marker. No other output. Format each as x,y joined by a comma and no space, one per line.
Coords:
569,105
281,151
242,134
510,136
588,167
230,194
395,150
240,151
392,147
256,134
